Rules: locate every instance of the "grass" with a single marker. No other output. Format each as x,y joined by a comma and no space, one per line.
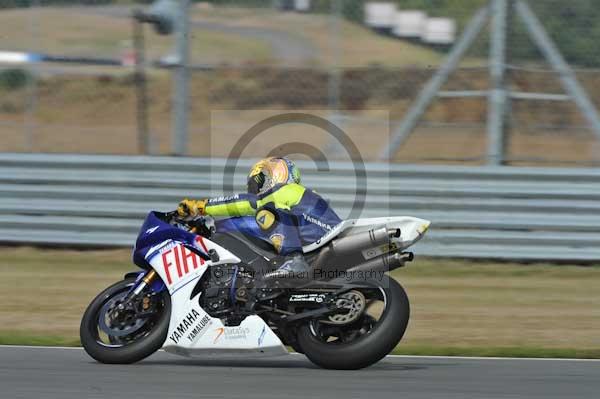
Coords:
45,292
471,304
21,338
531,352
359,46
458,307
81,31
69,31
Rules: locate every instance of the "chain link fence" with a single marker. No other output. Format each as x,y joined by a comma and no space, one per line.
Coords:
350,57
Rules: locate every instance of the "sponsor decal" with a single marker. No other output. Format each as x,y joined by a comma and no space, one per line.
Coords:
200,328
316,221
220,332
200,240
377,251
151,230
318,298
191,320
231,333
224,199
178,262
261,337
265,219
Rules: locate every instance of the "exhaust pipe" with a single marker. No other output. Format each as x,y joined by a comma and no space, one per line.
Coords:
358,242
386,262
340,249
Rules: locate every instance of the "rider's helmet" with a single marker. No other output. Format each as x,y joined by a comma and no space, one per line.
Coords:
270,172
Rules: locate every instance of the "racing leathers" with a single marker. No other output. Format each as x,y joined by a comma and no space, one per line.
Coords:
289,216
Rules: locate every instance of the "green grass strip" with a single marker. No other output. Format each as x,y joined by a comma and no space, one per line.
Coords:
18,338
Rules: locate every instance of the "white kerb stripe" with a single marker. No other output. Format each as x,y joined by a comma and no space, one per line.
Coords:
10,57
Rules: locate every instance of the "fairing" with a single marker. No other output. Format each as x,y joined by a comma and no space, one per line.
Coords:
192,331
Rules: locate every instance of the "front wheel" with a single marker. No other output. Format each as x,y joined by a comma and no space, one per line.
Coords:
374,323
115,330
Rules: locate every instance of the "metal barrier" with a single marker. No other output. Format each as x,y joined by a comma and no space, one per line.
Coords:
476,212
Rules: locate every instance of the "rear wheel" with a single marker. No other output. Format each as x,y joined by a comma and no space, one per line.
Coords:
372,324
114,330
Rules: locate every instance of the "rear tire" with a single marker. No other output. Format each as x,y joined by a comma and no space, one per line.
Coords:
369,348
132,352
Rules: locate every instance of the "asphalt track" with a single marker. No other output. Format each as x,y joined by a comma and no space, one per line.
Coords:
66,373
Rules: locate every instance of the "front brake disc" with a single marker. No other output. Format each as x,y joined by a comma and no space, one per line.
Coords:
127,324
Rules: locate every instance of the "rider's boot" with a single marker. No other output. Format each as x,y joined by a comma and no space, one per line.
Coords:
295,267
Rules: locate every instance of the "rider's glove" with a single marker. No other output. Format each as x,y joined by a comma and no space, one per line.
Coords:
189,207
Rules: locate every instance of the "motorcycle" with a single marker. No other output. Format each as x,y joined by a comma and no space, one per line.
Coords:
202,291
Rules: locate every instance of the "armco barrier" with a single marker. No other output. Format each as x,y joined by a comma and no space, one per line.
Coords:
482,212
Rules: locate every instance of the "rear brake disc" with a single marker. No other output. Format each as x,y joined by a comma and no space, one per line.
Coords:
352,304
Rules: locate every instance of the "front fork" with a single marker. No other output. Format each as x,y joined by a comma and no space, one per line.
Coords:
128,303
145,279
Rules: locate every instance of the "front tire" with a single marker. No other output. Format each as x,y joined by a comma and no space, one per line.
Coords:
130,352
369,348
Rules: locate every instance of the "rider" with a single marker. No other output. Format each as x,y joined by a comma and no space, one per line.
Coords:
276,208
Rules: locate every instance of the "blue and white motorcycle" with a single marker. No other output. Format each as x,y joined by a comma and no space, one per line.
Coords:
202,291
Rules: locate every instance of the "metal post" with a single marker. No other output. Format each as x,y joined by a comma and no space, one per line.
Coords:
434,85
335,74
141,88
181,80
335,48
551,53
32,85
497,95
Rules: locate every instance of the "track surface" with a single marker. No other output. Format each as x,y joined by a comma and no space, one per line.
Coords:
65,373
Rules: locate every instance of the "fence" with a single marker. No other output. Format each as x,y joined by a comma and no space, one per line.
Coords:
255,56
476,212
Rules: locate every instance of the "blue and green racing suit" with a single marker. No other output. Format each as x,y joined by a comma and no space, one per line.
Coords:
289,216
